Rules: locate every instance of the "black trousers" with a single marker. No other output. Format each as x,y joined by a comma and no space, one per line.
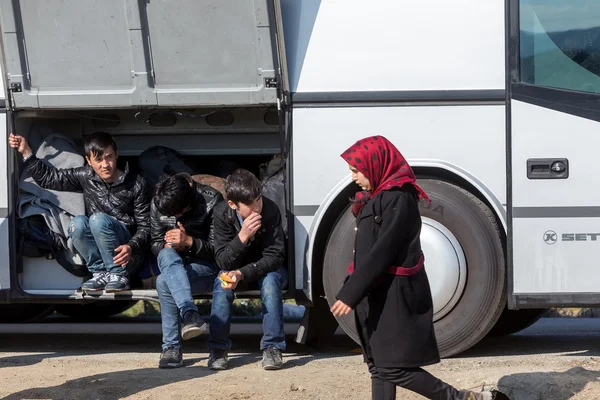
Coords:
385,380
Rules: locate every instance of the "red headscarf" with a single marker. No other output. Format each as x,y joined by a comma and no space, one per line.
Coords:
383,165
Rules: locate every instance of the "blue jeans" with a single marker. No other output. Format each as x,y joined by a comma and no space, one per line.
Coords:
271,292
96,239
175,285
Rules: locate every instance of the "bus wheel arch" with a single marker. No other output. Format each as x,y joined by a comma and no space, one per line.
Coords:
489,270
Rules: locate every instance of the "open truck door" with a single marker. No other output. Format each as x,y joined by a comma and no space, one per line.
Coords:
73,54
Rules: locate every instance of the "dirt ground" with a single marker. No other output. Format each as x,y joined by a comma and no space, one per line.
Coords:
553,360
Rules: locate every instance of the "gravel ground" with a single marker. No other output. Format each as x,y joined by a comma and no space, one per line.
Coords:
554,359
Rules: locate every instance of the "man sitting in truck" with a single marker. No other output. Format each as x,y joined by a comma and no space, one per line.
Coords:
182,239
249,244
116,225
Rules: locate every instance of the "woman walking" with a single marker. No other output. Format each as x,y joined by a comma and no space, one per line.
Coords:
387,285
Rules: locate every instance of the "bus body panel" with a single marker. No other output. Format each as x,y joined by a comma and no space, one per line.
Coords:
392,45
472,138
554,71
556,222
4,205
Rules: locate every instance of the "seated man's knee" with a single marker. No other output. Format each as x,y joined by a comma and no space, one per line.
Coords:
79,226
166,257
220,293
272,280
161,285
99,221
271,287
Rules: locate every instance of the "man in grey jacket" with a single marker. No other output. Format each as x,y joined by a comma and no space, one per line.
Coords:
117,221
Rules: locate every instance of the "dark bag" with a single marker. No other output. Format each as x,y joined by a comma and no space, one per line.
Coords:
37,240
273,188
157,161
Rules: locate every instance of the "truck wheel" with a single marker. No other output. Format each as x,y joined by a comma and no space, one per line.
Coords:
19,313
513,321
98,311
464,260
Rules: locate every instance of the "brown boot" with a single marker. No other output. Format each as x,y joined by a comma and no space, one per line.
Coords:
484,395
470,395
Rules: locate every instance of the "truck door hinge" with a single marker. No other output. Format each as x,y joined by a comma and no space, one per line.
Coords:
16,87
271,82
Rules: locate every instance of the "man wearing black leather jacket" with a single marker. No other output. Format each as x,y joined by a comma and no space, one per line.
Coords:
182,239
116,225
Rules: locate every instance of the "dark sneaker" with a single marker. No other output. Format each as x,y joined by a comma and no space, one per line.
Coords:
171,358
272,358
218,359
193,325
498,395
97,283
116,283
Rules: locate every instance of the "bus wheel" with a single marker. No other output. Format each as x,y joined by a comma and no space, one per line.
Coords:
98,311
18,313
513,321
464,260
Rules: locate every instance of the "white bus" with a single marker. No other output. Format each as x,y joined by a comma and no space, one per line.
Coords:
490,101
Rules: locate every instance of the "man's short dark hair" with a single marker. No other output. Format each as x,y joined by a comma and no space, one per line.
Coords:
242,186
172,195
97,142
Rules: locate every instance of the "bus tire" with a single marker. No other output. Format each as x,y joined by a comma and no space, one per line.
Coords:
481,299
513,321
97,311
24,312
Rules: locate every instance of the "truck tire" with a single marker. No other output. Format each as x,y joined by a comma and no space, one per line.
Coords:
513,321
19,313
98,311
464,260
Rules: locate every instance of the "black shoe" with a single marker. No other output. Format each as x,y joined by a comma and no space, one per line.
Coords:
171,358
498,395
193,325
96,283
272,358
116,283
218,359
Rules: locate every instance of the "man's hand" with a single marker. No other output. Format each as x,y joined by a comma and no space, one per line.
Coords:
20,143
177,238
250,226
340,309
236,276
123,255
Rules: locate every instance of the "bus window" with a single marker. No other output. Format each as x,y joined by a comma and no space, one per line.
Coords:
560,44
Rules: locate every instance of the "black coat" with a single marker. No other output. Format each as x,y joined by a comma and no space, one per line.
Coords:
126,199
197,223
394,314
262,254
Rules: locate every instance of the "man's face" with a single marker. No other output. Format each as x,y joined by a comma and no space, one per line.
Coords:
105,165
245,210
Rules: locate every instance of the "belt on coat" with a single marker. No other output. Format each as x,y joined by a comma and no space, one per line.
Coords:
399,270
